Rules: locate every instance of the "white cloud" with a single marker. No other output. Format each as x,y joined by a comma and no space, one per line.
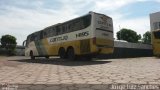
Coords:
21,22
110,4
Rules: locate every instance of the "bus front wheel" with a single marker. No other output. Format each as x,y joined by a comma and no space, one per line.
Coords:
31,55
71,54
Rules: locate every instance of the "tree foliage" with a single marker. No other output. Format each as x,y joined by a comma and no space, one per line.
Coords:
128,35
8,42
147,37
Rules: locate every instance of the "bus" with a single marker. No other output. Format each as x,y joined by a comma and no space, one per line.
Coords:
155,32
87,36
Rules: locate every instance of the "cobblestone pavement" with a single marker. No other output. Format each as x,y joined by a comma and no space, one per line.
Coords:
62,74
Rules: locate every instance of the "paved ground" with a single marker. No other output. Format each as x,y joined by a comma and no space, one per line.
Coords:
59,74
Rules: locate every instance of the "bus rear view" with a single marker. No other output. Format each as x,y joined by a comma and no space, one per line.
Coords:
103,33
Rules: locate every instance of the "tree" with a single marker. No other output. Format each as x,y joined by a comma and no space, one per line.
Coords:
128,35
9,43
147,37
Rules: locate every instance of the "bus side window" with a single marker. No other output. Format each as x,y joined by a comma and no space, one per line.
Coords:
28,40
86,21
80,24
32,37
58,30
41,35
72,27
66,28
44,34
53,32
47,32
75,25
69,28
50,32
63,29
37,36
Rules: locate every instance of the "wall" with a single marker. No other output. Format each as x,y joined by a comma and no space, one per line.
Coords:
129,50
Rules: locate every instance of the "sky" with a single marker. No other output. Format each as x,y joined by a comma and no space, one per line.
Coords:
23,17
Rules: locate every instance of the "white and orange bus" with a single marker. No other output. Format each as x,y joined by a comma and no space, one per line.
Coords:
87,35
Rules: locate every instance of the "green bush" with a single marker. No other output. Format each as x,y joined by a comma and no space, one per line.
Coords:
8,43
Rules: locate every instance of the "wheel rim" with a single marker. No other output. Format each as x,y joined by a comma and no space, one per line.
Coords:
31,55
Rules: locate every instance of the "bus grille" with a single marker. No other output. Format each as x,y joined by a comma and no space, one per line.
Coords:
85,46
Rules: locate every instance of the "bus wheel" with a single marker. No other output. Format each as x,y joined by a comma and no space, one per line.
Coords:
62,53
71,54
31,55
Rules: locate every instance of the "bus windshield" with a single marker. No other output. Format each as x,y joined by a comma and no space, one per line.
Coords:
157,35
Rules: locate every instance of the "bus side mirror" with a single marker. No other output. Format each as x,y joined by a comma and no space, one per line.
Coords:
24,43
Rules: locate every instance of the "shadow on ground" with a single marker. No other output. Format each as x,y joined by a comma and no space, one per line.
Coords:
58,61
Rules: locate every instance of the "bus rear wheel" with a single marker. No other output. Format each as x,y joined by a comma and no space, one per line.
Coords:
62,53
71,54
31,55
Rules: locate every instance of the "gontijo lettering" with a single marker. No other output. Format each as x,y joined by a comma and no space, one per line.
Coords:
58,38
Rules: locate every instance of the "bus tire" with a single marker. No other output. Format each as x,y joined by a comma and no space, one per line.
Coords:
31,55
62,53
71,54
